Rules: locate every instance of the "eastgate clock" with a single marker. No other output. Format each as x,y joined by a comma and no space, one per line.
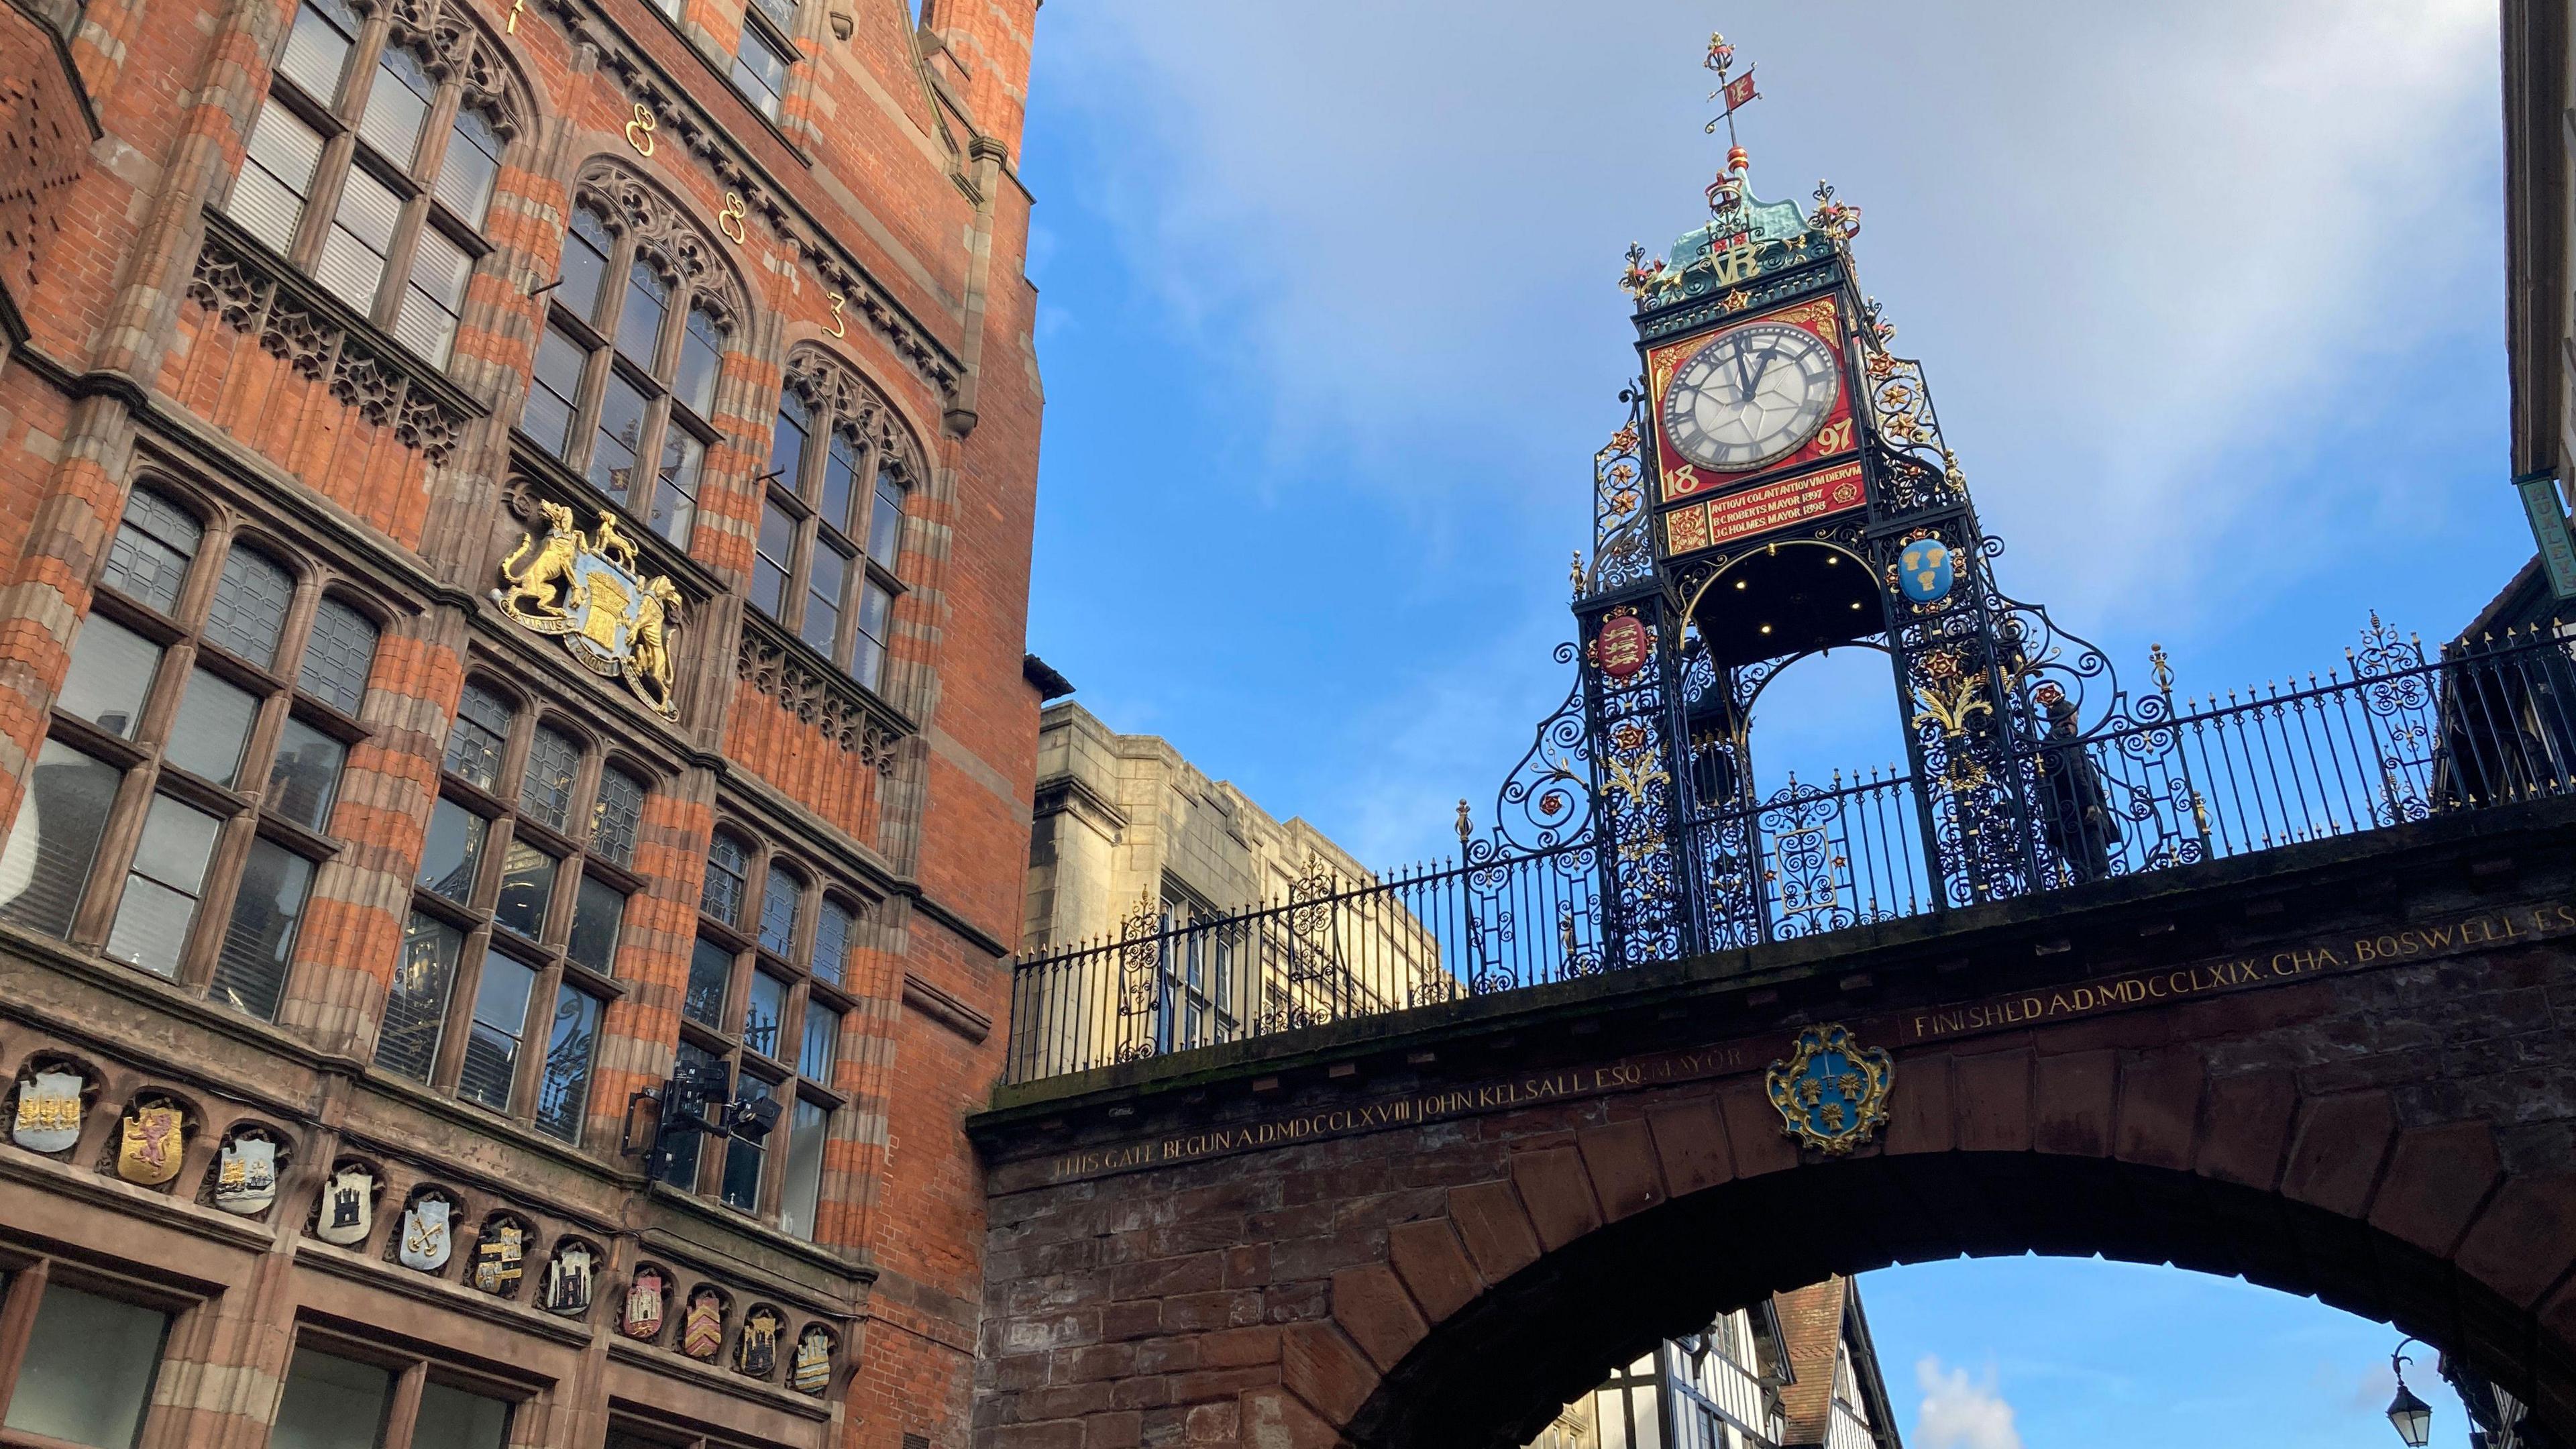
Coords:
1751,396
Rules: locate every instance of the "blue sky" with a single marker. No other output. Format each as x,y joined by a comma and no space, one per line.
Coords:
2210,297
2021,1353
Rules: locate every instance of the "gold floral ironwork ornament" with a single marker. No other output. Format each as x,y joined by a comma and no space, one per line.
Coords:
590,591
1832,1091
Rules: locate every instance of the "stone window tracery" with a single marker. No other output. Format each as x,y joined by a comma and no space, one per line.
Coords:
636,333
176,814
372,162
831,526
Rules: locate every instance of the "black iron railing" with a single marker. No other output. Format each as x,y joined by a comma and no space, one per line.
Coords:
2391,737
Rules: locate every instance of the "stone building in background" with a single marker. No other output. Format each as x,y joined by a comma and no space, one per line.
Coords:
1212,918
515,518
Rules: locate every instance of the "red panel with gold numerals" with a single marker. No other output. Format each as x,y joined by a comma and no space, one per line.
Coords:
1682,478
1779,503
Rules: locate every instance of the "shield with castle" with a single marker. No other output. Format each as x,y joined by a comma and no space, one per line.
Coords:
589,590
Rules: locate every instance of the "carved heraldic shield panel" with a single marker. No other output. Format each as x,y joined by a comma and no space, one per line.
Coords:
1832,1091
588,589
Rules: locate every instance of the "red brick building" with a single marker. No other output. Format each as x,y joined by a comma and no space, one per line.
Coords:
515,518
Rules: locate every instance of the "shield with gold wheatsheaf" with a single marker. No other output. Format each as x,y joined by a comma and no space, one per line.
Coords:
1832,1091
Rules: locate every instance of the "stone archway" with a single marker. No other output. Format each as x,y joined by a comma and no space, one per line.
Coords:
1486,1316
1434,1236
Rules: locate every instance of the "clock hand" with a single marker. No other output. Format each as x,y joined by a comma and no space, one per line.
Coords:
1768,353
1744,385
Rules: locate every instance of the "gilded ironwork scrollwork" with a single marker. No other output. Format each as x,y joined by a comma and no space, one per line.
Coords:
1546,800
1623,550
1634,722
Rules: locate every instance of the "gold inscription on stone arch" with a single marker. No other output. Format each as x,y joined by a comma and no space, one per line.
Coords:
2431,940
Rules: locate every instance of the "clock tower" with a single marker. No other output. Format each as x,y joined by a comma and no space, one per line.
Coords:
1782,487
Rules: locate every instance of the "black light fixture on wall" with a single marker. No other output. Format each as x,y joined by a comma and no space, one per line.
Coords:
687,1103
2411,1416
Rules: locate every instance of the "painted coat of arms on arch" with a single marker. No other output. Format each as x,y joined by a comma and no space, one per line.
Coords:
589,590
1832,1091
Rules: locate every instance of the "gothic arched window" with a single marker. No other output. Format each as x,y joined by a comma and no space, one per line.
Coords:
509,956
635,335
371,164
831,523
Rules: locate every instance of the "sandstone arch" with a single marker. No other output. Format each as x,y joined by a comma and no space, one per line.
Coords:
1256,1246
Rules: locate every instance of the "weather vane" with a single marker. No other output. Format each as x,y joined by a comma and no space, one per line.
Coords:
1739,225
1728,189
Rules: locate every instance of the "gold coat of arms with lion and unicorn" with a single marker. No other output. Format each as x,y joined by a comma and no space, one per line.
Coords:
590,591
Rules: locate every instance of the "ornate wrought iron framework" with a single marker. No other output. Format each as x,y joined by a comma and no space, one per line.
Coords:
1632,832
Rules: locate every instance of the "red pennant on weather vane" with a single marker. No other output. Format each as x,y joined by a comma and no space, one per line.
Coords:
1727,191
1736,93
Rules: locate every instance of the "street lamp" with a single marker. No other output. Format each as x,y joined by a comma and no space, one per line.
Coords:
693,1101
2412,1417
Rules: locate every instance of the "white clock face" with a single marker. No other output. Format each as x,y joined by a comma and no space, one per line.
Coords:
1750,397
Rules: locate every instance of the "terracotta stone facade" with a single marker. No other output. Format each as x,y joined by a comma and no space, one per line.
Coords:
2339,1068
321,318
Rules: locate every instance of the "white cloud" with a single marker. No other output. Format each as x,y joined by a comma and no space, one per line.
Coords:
2134,244
1961,1413
2365,1391
2151,255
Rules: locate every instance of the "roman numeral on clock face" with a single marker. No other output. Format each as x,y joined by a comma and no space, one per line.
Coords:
1751,396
